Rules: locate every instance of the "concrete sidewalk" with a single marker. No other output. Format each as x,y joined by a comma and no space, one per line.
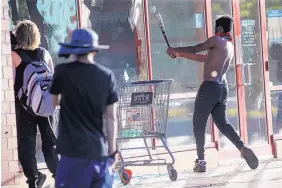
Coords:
268,175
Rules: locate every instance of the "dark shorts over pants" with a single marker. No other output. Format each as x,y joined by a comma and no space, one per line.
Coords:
212,99
83,173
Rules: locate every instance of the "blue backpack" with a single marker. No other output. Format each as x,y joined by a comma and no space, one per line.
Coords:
37,79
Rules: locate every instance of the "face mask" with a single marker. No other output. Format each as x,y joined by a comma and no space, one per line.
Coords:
227,36
220,32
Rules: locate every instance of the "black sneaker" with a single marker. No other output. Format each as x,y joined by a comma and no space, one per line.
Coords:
250,157
200,166
32,184
41,179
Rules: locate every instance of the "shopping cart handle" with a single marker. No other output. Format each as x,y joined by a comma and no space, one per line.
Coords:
152,82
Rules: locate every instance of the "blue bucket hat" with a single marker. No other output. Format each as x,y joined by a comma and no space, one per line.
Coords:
82,41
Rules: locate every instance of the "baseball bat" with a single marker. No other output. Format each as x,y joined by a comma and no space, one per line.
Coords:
161,26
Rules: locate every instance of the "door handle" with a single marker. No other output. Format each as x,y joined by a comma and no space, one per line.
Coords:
245,72
266,66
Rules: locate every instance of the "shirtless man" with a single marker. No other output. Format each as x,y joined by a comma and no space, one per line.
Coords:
213,92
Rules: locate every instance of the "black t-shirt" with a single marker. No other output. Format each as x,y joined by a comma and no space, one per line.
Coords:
86,90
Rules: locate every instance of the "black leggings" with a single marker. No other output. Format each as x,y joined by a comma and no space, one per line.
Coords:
26,134
212,99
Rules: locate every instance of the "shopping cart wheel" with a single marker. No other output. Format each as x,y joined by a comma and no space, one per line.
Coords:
172,173
125,176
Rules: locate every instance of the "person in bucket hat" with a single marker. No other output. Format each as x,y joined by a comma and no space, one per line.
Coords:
87,91
82,42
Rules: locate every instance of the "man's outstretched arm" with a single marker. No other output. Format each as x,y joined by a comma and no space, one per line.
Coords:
210,43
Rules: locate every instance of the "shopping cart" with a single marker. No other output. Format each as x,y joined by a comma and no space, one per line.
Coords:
142,114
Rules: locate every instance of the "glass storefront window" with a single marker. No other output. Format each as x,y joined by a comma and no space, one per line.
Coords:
276,104
182,29
274,38
219,8
185,26
251,50
120,24
180,122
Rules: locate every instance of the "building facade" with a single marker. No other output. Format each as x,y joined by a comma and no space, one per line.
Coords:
9,153
139,50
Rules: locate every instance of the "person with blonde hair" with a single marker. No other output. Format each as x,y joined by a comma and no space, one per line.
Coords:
27,59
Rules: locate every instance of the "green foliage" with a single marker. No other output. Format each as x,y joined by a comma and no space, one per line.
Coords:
216,8
248,8
274,4
275,7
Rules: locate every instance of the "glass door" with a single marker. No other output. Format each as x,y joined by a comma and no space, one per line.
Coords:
227,151
274,44
252,72
253,75
248,105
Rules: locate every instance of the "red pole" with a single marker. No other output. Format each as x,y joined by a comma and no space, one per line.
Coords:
266,74
240,85
209,33
147,33
78,13
150,70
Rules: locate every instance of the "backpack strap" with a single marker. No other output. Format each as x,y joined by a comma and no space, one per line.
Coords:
40,54
25,57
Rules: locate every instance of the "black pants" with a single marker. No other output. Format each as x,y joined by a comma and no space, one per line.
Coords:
212,99
26,134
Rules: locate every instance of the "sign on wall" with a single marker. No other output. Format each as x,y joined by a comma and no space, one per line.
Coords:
274,18
248,35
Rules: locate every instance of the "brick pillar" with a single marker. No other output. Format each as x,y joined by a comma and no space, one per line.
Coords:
9,158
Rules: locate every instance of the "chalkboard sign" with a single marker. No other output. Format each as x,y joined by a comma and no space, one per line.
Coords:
141,98
248,40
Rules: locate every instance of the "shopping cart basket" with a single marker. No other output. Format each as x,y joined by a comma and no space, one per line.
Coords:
142,114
